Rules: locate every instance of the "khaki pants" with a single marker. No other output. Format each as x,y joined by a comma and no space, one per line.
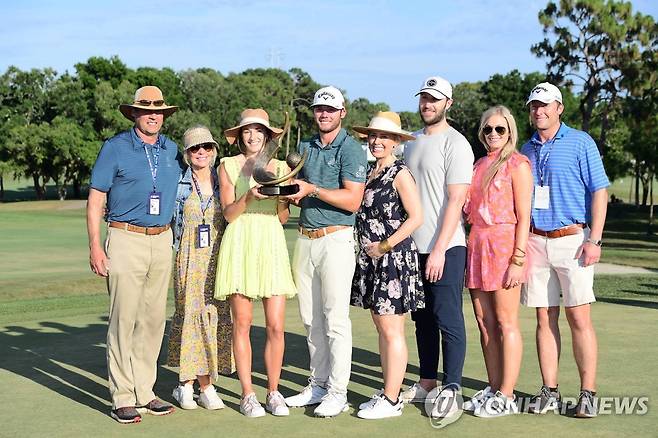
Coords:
140,269
323,270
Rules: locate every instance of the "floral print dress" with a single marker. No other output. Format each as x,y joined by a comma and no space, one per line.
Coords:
391,284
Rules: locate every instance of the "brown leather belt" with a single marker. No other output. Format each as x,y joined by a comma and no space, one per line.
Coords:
560,232
321,232
149,231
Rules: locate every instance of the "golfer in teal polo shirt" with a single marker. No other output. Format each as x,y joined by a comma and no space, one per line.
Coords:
136,175
331,183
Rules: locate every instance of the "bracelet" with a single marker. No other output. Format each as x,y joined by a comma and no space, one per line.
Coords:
594,242
521,251
516,260
384,246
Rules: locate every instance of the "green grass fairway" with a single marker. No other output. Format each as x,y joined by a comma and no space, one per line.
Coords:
53,377
52,355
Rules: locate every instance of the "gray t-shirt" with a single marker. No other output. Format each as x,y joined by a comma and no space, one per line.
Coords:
436,161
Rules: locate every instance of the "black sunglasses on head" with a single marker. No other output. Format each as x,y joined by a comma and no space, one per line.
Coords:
208,147
151,102
500,130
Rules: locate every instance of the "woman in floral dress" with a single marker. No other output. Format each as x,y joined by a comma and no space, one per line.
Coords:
387,279
200,335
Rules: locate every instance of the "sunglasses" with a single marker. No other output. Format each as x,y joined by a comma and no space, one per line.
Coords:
500,130
151,102
208,147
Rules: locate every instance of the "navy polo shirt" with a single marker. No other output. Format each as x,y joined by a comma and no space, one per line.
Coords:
328,166
122,171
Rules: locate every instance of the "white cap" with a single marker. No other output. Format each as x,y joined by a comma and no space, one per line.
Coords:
330,96
545,92
436,86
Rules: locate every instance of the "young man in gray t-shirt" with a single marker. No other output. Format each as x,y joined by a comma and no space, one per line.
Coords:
441,161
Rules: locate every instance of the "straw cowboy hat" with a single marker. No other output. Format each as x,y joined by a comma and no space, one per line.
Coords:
148,98
248,117
385,121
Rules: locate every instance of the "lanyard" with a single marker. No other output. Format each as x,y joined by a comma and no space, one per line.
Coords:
153,165
541,166
204,205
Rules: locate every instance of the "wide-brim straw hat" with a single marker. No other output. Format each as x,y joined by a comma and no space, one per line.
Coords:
197,135
385,121
148,98
249,116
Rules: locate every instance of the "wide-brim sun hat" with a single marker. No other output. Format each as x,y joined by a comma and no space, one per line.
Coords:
197,135
248,117
385,121
147,98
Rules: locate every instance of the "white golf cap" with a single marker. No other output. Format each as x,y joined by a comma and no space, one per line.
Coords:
545,92
330,96
437,87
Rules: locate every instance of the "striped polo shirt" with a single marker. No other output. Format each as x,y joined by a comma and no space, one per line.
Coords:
573,169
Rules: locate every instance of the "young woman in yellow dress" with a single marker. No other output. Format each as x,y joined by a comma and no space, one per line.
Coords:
253,258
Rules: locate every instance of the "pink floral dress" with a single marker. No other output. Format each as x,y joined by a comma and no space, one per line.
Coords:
493,223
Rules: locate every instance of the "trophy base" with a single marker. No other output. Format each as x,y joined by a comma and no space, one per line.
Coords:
279,190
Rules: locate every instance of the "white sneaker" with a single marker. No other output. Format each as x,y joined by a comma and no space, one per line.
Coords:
478,399
372,400
311,395
498,405
414,394
276,404
381,408
184,395
250,407
332,405
210,400
445,404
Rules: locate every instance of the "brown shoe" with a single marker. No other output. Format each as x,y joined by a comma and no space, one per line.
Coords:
126,414
156,407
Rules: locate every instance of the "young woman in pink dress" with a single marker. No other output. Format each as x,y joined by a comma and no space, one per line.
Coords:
498,209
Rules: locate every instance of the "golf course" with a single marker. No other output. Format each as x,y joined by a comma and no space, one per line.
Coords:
53,320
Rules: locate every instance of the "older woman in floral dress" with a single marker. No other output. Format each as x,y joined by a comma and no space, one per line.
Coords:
200,335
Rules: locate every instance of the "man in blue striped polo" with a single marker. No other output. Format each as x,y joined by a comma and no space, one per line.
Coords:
568,214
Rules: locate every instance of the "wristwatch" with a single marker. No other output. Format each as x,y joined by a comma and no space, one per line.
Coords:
315,193
595,242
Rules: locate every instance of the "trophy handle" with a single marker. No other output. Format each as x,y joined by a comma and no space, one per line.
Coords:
260,173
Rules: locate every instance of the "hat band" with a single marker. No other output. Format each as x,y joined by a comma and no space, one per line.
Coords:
250,120
384,124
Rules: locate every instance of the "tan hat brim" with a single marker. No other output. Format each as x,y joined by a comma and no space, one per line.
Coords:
231,134
126,110
366,130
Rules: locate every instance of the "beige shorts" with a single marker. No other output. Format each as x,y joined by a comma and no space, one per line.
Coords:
554,271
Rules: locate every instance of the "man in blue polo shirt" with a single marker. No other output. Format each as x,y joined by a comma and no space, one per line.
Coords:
568,213
134,181
331,188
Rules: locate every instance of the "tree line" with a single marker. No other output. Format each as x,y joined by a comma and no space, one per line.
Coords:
601,53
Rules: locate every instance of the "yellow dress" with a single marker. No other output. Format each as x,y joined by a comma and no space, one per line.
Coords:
253,257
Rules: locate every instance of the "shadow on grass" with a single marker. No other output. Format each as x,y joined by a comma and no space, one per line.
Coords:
71,361
629,302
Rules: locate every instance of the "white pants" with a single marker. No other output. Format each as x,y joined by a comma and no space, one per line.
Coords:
323,269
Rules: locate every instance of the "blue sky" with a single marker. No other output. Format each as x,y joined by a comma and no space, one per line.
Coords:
379,49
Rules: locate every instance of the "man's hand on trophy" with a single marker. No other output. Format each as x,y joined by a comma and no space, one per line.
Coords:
305,189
